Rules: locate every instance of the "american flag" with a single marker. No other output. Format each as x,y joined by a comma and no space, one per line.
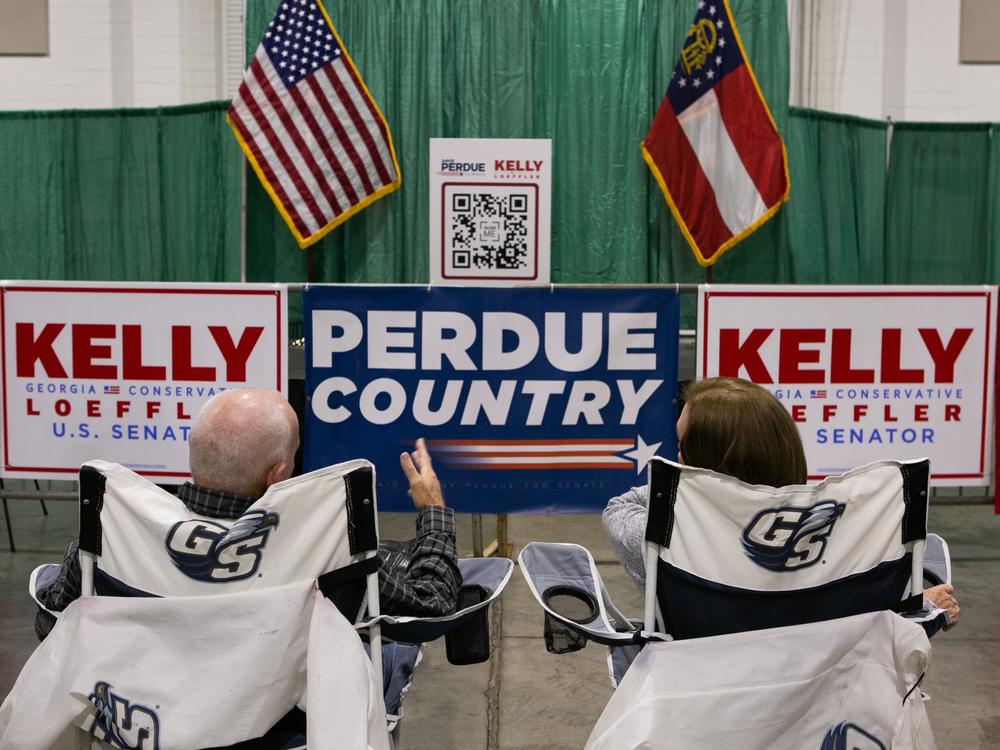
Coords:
307,124
817,393
112,390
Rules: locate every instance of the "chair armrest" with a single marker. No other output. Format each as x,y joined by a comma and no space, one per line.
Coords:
564,580
41,578
937,560
488,574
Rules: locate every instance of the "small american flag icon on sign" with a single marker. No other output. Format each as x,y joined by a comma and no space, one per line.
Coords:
112,390
814,393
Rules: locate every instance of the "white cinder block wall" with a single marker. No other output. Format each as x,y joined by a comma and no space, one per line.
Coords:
124,53
77,70
887,58
873,58
937,86
837,55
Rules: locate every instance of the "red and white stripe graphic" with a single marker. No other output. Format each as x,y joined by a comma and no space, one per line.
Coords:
534,454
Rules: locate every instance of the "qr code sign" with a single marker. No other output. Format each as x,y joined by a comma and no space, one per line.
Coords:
490,231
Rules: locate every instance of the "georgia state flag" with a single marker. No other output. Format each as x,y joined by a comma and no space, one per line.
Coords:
713,145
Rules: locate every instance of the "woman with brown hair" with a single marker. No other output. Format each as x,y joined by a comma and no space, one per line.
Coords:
737,428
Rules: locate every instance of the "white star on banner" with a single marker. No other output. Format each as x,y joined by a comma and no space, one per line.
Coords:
718,24
711,10
642,453
710,74
722,41
697,83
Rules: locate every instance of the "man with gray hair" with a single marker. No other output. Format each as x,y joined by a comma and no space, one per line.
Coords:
242,442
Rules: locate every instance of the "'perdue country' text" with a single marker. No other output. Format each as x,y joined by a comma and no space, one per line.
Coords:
433,341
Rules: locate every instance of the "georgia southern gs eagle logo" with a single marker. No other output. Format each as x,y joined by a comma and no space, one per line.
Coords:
785,539
847,736
208,551
122,724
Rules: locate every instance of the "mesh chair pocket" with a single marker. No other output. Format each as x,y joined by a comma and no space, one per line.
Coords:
560,638
576,605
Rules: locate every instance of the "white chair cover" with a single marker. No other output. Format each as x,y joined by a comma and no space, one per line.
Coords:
149,541
734,556
848,684
193,672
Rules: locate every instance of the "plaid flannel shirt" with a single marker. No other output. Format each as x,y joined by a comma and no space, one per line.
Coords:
417,577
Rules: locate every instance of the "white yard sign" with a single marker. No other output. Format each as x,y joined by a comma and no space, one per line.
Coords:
118,371
867,373
490,206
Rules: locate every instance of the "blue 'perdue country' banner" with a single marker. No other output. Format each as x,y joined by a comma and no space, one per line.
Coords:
531,399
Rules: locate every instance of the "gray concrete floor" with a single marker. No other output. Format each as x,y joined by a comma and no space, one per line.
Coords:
527,699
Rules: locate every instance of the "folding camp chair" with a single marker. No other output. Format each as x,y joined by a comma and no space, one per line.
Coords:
138,540
722,556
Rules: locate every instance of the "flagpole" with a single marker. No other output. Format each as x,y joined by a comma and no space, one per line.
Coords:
243,221
243,175
708,274
310,265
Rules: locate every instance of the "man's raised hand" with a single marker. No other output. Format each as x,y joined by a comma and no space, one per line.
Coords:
425,489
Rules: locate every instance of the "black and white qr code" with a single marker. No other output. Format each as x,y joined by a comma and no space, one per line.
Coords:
489,231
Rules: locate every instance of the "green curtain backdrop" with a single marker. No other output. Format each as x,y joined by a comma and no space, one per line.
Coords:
834,221
936,222
588,74
154,194
133,194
